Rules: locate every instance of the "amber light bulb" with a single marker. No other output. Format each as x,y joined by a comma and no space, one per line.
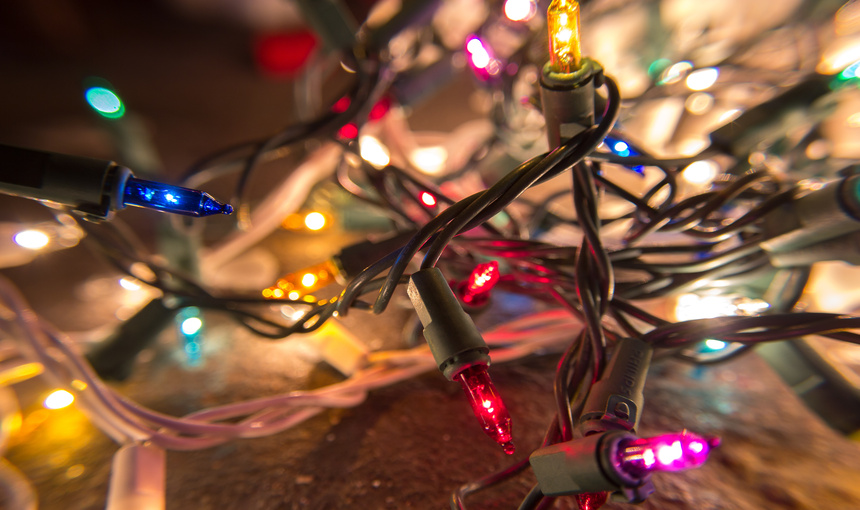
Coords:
487,405
565,50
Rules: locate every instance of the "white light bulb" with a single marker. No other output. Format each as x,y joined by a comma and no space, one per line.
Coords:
520,10
58,400
32,239
373,151
702,79
700,172
430,160
314,221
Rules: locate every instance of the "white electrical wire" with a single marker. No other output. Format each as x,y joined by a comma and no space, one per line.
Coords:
125,420
18,492
283,201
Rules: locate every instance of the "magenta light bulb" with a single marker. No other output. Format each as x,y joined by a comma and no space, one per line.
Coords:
669,452
487,405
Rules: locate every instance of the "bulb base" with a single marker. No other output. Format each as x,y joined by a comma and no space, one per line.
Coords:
567,99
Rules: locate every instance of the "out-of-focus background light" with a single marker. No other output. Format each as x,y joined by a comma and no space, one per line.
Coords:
692,307
430,160
702,79
105,102
621,148
372,151
309,279
315,221
427,199
674,73
32,239
480,56
700,172
520,10
191,325
129,284
715,345
58,400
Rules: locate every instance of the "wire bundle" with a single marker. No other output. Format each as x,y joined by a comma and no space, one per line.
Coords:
589,286
125,421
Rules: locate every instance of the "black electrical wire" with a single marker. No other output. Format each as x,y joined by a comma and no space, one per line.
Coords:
652,161
532,499
670,219
398,265
721,259
496,197
457,497
366,70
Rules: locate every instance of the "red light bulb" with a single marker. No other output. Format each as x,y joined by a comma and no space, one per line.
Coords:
427,199
487,405
591,500
380,109
341,105
284,54
669,452
476,290
348,131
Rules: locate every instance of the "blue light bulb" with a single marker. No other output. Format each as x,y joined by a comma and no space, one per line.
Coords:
172,199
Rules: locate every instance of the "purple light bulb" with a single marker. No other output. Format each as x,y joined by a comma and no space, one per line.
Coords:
669,452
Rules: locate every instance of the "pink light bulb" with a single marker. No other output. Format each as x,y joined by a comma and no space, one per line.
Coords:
487,405
669,452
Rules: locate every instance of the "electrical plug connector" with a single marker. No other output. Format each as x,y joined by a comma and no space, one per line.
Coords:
460,351
94,187
137,480
341,267
568,79
339,348
617,462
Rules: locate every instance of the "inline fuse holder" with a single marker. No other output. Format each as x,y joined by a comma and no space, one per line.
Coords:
775,117
94,187
821,223
453,338
616,400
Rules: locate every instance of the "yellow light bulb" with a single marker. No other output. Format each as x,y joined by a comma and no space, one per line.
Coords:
315,221
58,400
309,279
565,50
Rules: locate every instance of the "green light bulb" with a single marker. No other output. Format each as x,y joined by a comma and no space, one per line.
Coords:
105,102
